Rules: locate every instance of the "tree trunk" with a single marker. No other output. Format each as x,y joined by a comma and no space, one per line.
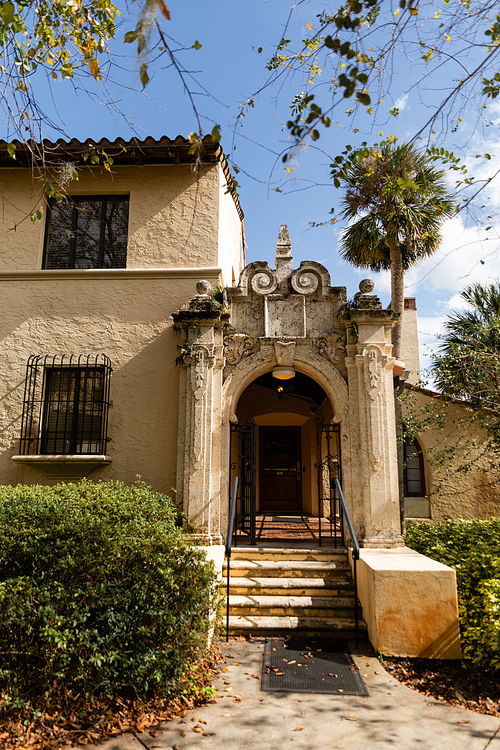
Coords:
397,293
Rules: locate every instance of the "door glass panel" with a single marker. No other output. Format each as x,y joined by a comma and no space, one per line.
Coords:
280,452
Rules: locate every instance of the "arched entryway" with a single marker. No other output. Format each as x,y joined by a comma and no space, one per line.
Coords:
285,448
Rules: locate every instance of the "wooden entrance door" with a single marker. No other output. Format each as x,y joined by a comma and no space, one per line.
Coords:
280,469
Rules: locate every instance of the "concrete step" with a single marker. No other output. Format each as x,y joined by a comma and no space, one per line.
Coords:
262,625
285,568
331,587
300,606
319,554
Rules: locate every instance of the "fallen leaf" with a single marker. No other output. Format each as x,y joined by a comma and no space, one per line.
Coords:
298,729
341,690
291,662
463,721
175,747
183,733
377,672
279,674
207,734
155,734
389,693
197,729
350,718
235,664
202,721
225,670
225,714
156,745
228,689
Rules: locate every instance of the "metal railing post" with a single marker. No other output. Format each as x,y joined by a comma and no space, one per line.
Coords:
229,539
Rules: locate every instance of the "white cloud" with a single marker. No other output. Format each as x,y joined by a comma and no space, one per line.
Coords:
402,102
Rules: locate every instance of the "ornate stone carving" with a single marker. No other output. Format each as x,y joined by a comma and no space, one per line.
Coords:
264,282
201,359
332,348
285,352
236,346
258,277
310,277
365,299
373,374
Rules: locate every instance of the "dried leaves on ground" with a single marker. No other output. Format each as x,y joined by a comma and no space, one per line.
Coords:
449,681
82,721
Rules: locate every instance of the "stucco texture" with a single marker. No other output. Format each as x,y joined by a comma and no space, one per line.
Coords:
129,320
410,604
178,218
470,494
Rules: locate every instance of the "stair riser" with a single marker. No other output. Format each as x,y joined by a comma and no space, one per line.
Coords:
277,591
288,556
277,573
290,612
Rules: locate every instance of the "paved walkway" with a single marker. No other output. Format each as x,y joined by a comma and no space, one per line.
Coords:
393,716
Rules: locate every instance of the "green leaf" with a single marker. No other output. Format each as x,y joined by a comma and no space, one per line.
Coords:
363,99
196,45
143,74
11,150
215,134
315,135
130,37
7,11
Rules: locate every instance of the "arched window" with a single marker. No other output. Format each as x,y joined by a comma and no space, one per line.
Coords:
414,476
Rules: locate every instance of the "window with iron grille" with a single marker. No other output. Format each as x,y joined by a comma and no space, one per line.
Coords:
87,232
65,409
414,476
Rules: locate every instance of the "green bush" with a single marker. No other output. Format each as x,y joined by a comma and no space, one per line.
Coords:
472,548
99,593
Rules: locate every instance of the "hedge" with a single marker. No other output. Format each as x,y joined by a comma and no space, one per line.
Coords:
99,593
472,548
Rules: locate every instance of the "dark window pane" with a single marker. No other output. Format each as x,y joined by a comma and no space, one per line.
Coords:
60,234
88,232
74,406
413,470
115,246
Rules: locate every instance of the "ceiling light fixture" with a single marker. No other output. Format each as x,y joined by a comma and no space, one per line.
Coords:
283,373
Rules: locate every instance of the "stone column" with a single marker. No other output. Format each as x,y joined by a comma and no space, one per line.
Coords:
369,362
198,485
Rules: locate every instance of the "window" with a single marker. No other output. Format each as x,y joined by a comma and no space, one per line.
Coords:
414,477
87,232
65,410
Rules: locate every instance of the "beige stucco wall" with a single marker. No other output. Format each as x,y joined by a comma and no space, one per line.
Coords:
410,604
128,319
473,494
231,254
178,218
410,353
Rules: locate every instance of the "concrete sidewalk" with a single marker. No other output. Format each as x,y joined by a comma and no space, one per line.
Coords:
393,716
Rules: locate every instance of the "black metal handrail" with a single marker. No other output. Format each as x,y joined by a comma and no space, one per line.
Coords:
229,541
345,517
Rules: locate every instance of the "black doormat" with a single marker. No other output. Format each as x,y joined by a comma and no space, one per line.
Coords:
289,519
310,665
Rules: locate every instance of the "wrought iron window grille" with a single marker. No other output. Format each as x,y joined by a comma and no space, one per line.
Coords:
65,405
87,231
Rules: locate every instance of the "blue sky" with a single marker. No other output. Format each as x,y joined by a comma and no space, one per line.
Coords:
228,69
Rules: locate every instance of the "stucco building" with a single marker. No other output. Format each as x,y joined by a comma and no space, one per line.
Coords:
136,341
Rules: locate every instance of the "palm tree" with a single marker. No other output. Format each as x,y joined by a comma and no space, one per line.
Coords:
467,365
395,201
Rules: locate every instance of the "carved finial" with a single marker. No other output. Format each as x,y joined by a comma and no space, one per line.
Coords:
203,287
284,244
366,286
365,297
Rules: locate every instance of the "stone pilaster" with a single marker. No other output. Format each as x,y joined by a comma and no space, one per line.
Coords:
369,362
201,360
